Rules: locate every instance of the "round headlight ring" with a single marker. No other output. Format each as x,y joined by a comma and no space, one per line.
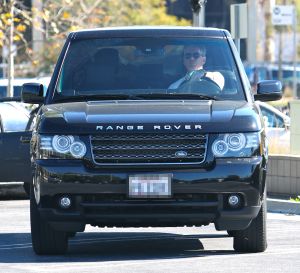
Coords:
61,144
78,149
236,141
219,148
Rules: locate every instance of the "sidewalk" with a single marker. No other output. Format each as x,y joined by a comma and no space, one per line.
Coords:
275,204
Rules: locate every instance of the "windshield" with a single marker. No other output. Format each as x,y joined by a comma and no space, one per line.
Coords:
149,68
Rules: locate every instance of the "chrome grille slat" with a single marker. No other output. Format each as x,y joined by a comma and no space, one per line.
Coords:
148,148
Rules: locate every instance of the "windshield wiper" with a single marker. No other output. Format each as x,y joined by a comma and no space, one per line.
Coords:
177,96
87,97
142,96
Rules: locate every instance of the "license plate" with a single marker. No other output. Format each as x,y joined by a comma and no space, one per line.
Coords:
150,186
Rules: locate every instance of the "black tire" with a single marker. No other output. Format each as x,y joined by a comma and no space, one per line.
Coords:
254,238
45,240
231,233
26,187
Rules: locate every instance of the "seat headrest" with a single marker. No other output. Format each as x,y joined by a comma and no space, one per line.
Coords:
108,56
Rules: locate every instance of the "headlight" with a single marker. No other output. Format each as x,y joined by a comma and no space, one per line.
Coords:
77,149
236,142
236,145
61,146
220,147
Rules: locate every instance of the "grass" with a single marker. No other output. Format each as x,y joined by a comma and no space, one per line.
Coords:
296,199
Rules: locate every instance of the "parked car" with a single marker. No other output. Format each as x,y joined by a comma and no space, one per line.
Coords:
257,73
287,76
266,71
125,137
16,121
14,142
277,128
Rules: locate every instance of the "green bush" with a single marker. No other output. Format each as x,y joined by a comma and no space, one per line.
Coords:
296,199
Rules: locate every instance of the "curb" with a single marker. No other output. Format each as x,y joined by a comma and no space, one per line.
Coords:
11,190
283,206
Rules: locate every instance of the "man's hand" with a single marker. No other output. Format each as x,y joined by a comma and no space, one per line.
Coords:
197,75
217,77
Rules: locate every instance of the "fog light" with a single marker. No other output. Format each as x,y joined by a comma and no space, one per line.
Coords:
65,202
234,201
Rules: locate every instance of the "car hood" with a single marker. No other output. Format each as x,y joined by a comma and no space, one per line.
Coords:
159,115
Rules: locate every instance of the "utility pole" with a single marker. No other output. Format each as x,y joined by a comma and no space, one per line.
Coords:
252,31
295,91
198,8
10,89
239,23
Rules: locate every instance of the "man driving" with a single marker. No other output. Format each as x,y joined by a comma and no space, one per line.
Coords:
194,57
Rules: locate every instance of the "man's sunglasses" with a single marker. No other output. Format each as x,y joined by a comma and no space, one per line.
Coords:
194,55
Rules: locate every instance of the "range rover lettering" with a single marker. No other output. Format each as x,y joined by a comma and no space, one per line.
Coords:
148,126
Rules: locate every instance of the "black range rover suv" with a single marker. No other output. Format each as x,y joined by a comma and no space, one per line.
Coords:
119,142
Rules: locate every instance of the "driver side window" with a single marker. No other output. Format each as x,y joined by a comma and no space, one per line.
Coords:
12,119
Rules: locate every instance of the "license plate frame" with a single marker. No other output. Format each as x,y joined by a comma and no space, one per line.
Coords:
149,186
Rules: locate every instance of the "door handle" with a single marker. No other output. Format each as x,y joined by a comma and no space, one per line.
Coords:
25,139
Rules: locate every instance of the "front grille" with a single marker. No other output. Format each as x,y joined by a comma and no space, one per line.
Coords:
149,148
123,197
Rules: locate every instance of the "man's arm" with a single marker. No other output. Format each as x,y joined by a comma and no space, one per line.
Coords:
217,77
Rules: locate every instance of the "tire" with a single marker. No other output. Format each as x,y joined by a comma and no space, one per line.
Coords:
26,187
254,238
231,233
45,240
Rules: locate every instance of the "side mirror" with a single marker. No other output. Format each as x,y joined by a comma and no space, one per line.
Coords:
32,93
268,90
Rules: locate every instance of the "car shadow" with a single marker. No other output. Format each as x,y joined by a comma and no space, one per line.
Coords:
111,246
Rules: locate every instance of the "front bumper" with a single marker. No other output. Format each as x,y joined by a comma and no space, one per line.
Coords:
199,196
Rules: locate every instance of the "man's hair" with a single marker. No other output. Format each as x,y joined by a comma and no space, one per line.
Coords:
201,48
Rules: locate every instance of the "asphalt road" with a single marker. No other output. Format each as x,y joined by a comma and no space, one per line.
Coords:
146,250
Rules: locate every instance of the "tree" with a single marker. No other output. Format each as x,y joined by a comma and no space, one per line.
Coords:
14,19
62,16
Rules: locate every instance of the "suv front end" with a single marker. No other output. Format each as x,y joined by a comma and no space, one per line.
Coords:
129,151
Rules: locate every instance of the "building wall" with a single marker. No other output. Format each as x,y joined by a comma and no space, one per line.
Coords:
283,175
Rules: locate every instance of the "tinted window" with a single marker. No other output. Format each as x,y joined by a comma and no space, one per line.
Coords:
143,65
12,118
